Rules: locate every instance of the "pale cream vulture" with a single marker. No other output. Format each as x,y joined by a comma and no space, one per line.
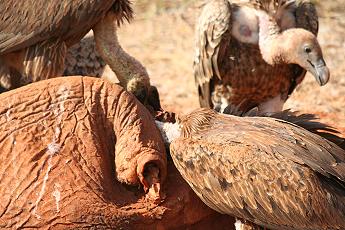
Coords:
254,53
261,169
35,35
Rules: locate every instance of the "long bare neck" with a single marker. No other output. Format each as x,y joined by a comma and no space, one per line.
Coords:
269,39
126,67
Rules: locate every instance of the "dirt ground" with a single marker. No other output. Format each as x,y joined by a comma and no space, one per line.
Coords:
162,38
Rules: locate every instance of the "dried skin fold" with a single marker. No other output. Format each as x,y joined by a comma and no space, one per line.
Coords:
138,141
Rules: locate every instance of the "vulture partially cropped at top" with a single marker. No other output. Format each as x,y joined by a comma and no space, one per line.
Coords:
35,36
255,52
264,170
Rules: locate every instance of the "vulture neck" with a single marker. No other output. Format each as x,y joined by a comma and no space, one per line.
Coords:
169,131
271,40
127,69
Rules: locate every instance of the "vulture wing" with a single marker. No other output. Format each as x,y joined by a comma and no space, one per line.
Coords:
261,169
24,23
214,22
306,16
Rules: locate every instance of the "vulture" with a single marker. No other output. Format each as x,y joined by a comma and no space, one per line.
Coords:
35,36
267,171
83,59
253,53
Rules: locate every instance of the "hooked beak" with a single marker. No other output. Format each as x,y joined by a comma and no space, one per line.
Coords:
320,71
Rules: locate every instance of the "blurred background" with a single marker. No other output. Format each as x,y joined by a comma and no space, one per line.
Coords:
162,38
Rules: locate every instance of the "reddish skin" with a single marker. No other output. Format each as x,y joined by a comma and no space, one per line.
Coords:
58,141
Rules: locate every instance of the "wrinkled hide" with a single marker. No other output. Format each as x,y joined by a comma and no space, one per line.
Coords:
65,146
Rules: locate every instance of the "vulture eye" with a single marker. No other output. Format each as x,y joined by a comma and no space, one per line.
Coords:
307,50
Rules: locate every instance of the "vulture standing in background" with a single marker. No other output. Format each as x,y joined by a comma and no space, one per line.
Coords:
83,59
255,52
35,36
264,170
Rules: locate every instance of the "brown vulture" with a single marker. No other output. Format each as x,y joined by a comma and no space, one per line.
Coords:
35,36
255,52
268,171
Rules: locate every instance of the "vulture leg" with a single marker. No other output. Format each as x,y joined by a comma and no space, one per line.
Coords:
6,81
220,98
130,72
38,62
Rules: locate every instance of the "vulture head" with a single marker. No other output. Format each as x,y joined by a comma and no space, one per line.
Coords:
292,46
301,47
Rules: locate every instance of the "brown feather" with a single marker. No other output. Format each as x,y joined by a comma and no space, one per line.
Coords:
60,18
35,34
265,170
307,121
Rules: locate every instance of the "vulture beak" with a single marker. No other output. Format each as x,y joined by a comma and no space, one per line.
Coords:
320,71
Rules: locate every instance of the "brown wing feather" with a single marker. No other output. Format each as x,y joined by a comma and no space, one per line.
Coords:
264,170
24,23
307,121
214,22
306,16
302,146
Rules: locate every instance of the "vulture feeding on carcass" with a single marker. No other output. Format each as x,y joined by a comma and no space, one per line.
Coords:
35,36
264,170
255,52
